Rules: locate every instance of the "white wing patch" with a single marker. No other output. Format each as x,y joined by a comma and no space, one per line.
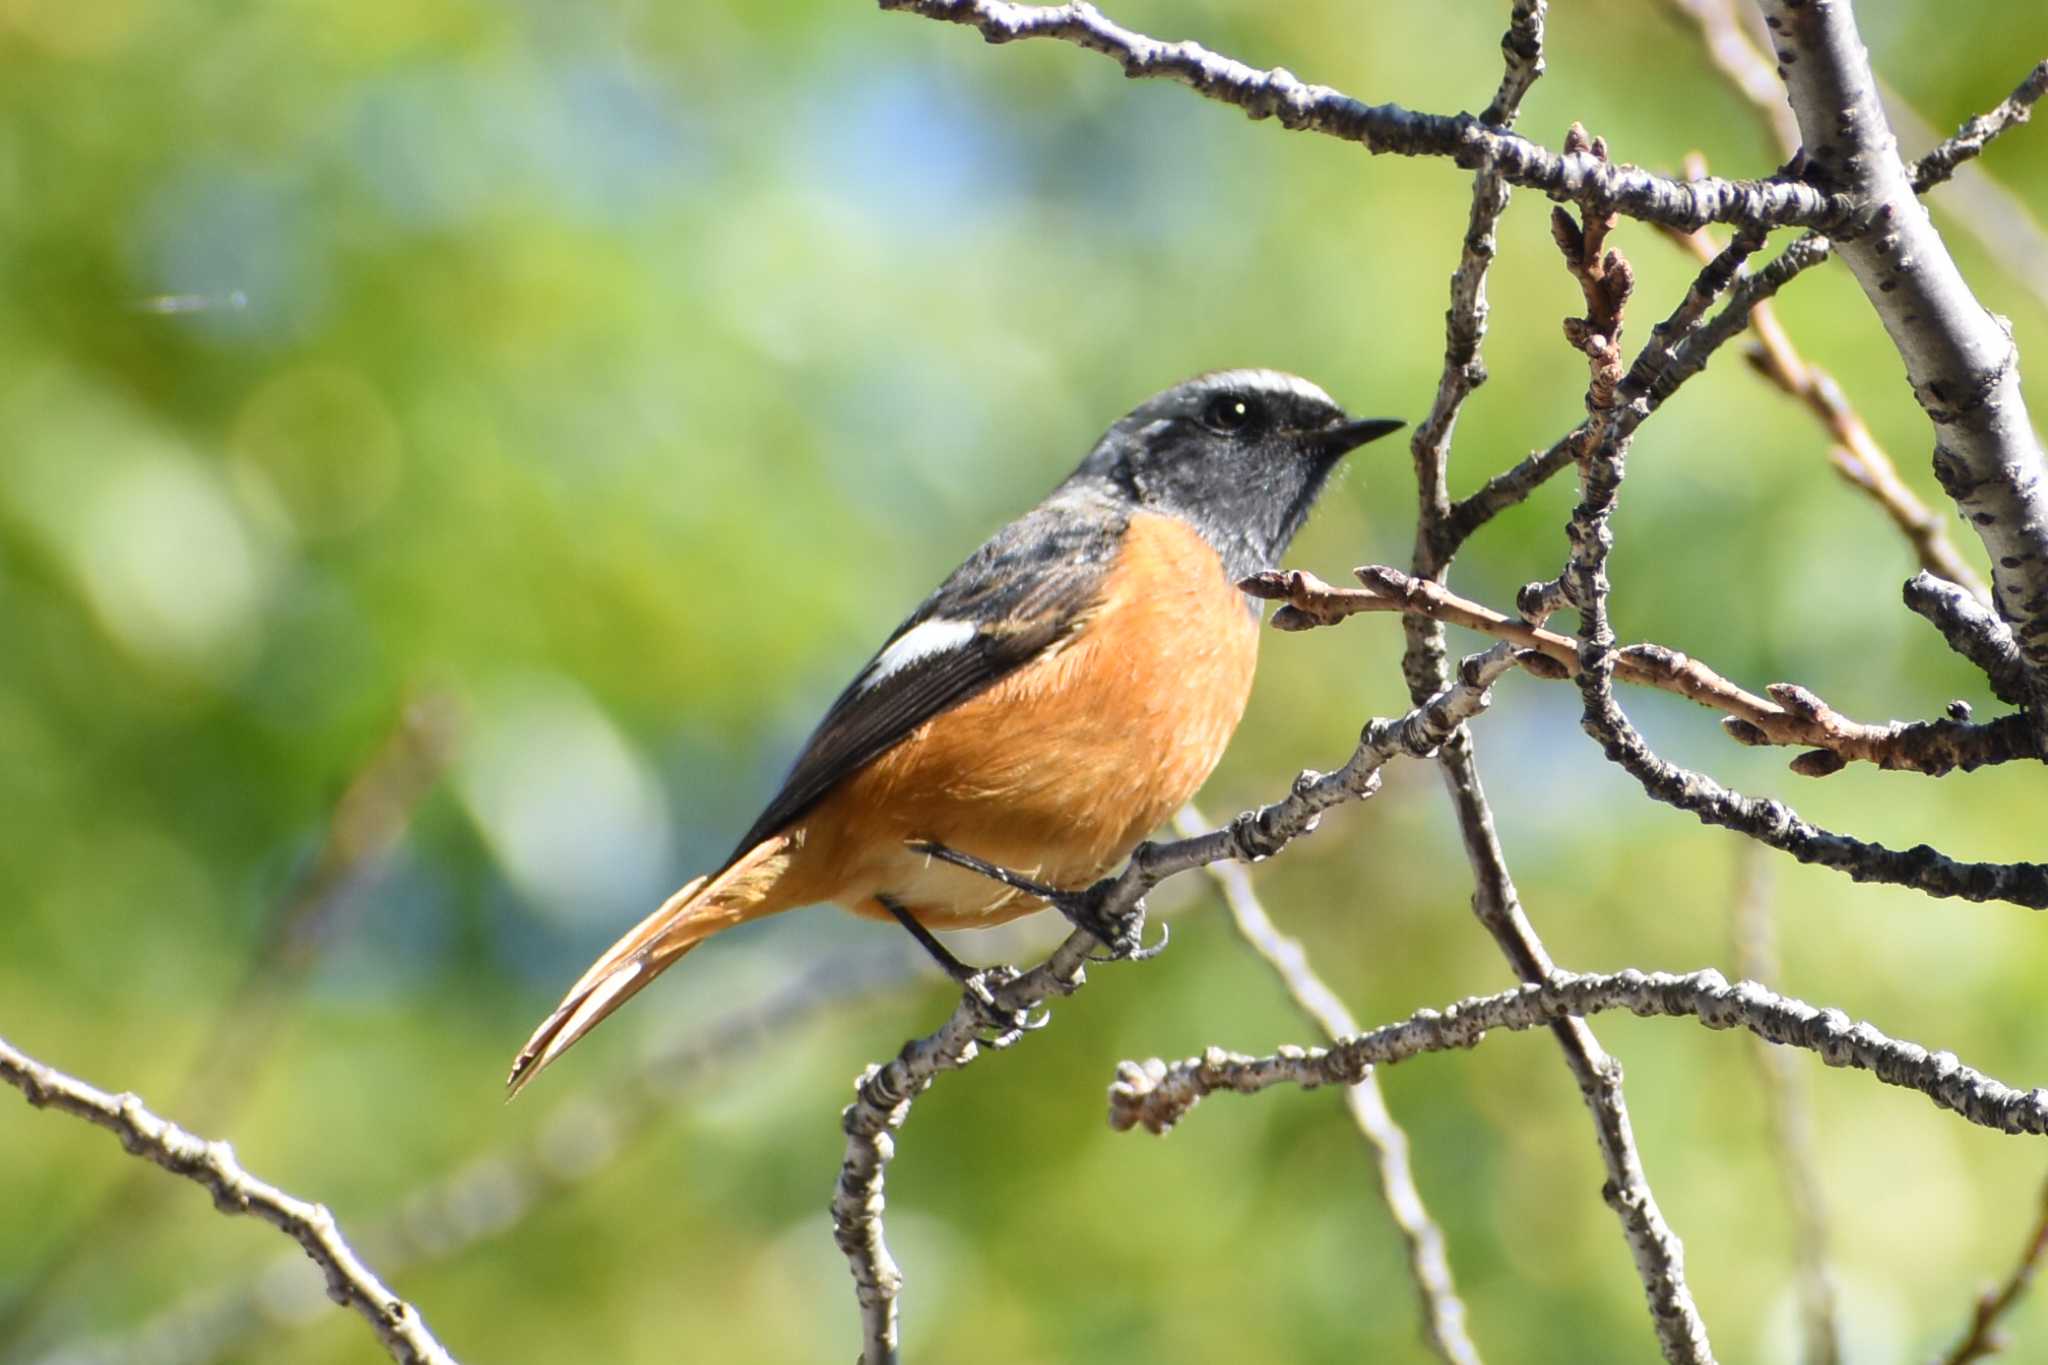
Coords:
921,641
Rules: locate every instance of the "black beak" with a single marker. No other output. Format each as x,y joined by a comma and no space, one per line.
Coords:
1349,436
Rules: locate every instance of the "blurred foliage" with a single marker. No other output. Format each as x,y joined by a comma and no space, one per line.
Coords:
624,371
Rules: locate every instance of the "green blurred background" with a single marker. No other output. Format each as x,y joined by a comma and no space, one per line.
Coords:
596,383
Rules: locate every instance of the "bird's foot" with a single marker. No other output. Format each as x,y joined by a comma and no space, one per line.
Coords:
1002,1025
1122,931
980,985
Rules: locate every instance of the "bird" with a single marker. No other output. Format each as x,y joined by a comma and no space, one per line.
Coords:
1055,699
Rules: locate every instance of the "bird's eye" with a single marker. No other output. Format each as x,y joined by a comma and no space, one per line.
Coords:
1228,414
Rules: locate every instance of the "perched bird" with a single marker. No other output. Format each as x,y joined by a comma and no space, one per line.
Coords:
1059,695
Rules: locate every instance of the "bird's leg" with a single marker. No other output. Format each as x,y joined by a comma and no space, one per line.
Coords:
1122,933
927,940
1016,881
980,983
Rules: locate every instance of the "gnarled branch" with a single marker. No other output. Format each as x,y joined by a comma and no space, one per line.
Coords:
1973,137
212,1165
1856,455
1466,140
1791,715
1155,1095
1971,631
884,1093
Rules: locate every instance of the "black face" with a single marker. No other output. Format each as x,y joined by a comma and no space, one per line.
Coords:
1239,454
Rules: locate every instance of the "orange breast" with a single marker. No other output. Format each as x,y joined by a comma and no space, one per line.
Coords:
1061,768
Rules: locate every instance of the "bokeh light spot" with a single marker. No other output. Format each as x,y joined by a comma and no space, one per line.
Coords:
319,444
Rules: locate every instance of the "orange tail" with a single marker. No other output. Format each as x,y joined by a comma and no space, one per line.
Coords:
745,890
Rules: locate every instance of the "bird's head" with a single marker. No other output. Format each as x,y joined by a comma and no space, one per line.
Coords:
1238,454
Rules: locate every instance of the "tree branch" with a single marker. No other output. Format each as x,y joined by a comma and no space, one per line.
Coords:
367,821
1971,631
1976,202
1736,54
884,1093
882,1099
1464,139
1584,584
1155,1095
1920,867
1496,904
1522,48
1960,358
1791,1119
1443,1312
350,1283
1673,355
488,1195
1973,137
1856,455
1681,346
1792,717
1984,1340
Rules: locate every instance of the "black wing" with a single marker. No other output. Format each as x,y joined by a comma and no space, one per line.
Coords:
1025,590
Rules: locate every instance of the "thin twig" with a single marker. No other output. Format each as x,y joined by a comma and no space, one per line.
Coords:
1496,904
1984,1339
1855,455
882,1099
1464,139
1155,1095
1973,137
212,1165
1616,402
1972,630
1522,66
1790,716
367,821
1921,867
1756,959
1443,1312
1601,465
1605,281
999,1008
489,1195
1738,58
1591,538
1464,332
1683,343
1976,202
1672,356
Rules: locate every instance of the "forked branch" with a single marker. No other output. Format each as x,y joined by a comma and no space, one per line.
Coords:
1791,715
1466,140
1002,1006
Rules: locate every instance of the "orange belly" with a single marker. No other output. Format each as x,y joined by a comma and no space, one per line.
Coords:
1061,768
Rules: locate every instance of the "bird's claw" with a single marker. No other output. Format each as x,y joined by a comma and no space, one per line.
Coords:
1122,934
1016,881
1002,1025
